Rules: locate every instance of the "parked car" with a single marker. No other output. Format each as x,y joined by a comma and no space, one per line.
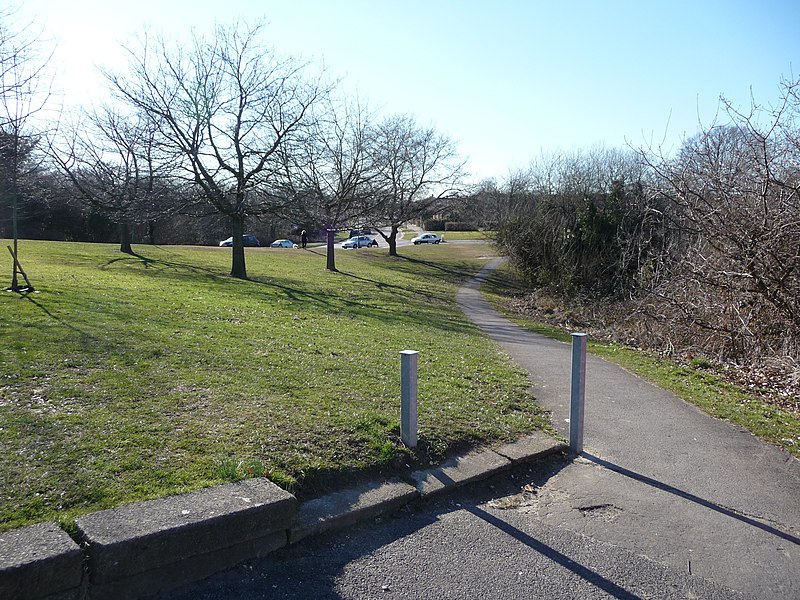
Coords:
426,238
361,231
360,241
247,240
283,244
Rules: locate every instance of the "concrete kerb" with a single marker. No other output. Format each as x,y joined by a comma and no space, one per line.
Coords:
370,500
40,561
150,546
348,507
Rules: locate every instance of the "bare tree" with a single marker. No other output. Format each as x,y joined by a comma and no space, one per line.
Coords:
24,91
583,222
226,105
22,66
416,168
114,163
489,204
327,173
734,194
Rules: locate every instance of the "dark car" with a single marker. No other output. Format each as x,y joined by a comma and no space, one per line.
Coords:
247,240
361,231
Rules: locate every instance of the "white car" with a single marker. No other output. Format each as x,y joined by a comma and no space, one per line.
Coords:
247,240
283,244
426,238
360,241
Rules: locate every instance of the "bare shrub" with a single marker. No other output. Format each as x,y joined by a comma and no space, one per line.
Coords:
734,198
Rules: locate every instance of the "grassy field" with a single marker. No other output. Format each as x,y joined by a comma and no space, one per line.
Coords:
467,235
130,377
710,392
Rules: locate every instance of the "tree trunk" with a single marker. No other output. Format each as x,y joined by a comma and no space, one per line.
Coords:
238,268
125,238
331,266
14,281
392,239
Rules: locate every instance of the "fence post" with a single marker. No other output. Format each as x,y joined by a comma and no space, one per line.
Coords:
578,394
408,397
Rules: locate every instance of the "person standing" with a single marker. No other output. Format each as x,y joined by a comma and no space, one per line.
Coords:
303,238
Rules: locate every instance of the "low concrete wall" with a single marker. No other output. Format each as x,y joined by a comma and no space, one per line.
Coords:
40,561
143,548
131,549
152,546
350,506
147,547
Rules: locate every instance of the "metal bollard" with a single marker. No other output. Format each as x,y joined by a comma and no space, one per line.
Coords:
578,394
408,397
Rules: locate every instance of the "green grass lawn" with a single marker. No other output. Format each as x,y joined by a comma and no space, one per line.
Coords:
467,235
130,377
708,391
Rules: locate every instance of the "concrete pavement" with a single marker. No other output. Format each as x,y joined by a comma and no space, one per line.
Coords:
658,476
471,543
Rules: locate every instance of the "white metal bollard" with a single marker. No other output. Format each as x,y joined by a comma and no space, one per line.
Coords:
578,394
408,397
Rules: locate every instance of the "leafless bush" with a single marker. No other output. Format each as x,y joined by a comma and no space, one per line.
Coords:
592,226
734,198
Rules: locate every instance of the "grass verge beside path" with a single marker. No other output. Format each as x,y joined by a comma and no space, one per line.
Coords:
131,377
708,391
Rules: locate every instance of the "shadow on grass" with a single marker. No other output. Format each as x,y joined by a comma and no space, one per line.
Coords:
382,285
505,283
371,309
125,256
458,273
84,335
367,307
178,267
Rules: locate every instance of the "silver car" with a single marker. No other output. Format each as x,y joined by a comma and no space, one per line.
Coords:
360,241
426,238
283,244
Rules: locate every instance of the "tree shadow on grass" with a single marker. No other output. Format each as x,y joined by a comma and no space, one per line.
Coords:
365,308
370,310
162,265
381,285
506,283
458,273
83,334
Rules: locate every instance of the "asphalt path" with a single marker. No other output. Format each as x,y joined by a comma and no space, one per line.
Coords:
664,479
666,502
473,543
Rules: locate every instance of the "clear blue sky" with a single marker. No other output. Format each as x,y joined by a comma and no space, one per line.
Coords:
507,79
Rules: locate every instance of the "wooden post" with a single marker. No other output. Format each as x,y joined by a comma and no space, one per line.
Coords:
18,270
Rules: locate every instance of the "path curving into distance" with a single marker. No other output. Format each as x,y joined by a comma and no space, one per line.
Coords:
679,486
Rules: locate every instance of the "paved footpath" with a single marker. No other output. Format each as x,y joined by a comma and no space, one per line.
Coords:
658,476
666,502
